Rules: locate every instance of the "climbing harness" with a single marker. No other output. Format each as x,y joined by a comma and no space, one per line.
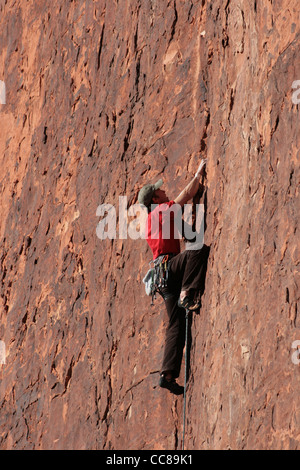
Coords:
185,372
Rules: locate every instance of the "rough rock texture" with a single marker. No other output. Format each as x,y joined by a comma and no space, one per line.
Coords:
102,96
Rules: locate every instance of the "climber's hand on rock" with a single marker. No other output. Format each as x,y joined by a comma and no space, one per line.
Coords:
201,167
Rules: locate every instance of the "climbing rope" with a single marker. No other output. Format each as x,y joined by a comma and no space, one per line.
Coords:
185,372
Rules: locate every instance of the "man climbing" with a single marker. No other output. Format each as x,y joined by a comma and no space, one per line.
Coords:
185,270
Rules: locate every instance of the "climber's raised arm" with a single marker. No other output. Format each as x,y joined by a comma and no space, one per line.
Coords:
191,189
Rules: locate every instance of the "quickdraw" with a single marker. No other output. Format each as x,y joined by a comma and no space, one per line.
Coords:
160,276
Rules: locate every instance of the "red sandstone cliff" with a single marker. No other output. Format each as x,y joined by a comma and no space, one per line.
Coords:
102,96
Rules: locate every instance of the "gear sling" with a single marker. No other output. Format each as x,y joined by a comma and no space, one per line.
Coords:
160,276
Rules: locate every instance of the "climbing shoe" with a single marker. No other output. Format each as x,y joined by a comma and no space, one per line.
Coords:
170,385
188,303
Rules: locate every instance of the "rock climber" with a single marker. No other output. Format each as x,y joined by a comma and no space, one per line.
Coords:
186,270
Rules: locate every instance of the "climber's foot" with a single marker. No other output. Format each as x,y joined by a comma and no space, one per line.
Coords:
168,382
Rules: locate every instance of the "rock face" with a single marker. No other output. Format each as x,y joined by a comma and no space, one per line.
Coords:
101,97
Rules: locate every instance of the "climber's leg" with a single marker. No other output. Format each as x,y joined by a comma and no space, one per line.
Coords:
188,270
194,274
175,338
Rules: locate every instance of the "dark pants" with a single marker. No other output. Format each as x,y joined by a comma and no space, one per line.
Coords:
187,272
